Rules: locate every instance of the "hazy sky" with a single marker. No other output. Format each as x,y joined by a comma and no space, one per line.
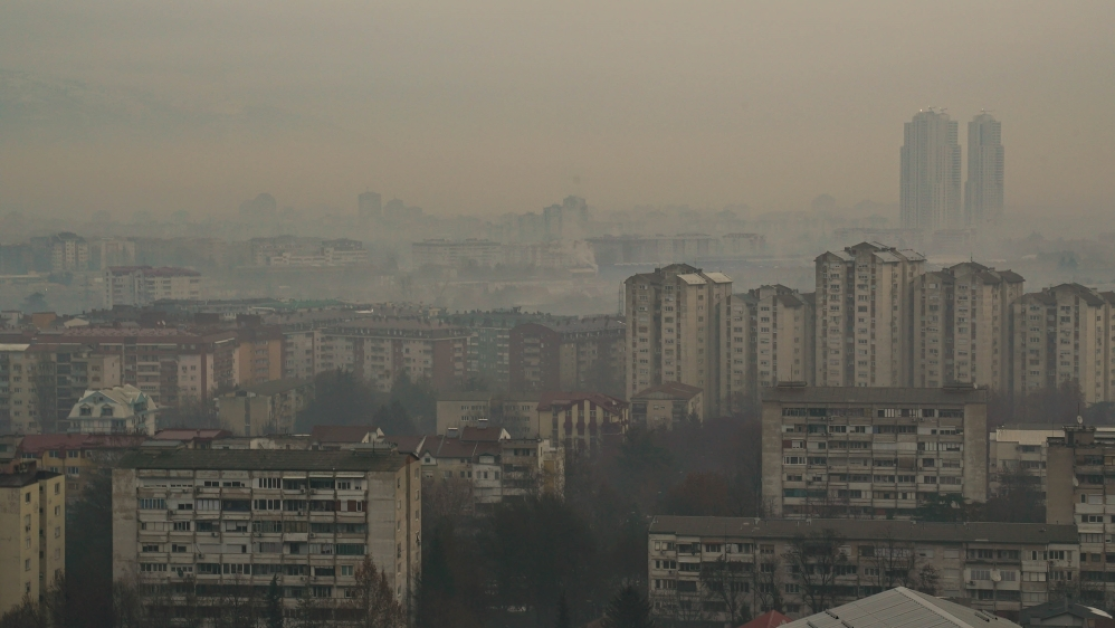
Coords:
491,106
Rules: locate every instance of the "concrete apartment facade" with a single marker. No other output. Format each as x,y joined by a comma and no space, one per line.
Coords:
1064,334
40,383
995,567
232,517
144,285
32,534
780,347
269,407
1079,492
871,453
864,316
961,318
383,349
568,355
678,328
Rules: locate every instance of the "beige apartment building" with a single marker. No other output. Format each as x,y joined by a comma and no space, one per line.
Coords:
226,518
32,534
961,333
143,285
781,343
864,316
700,568
678,330
667,405
871,453
41,382
1065,334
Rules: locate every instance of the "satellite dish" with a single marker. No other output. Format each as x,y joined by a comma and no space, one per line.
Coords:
1079,420
996,576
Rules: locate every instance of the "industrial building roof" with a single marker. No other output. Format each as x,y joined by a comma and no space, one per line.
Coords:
865,529
902,608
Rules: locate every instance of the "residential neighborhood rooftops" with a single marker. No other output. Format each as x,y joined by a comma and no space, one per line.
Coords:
853,395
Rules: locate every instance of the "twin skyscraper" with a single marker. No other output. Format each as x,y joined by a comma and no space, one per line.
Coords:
930,193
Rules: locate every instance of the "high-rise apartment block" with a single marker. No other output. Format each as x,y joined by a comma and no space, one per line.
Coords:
864,315
226,520
32,534
961,320
380,350
678,329
871,452
930,172
781,343
983,192
1065,334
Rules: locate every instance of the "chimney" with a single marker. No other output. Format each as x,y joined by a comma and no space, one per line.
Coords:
482,423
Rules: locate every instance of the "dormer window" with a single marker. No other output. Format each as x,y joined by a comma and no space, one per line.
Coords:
106,410
86,411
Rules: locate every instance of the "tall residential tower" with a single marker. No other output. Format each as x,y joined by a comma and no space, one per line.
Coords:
930,178
983,193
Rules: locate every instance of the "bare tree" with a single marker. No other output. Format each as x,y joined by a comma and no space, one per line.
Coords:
895,564
768,584
727,583
815,561
374,602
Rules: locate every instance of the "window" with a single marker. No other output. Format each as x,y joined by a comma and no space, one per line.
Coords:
145,503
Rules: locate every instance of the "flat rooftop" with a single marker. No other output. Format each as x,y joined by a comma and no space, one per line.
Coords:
265,460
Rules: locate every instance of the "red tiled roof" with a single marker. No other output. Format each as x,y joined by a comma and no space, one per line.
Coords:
770,619
340,433
186,434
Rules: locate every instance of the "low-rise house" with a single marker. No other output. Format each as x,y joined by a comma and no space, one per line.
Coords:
1002,567
118,410
581,421
667,404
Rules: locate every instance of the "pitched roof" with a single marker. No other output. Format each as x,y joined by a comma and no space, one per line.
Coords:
1058,608
866,530
340,433
902,608
483,434
769,619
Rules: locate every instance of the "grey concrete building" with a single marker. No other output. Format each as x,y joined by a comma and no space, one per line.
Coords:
700,568
871,452
222,519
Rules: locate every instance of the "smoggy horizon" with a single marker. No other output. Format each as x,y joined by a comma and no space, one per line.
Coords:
125,106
